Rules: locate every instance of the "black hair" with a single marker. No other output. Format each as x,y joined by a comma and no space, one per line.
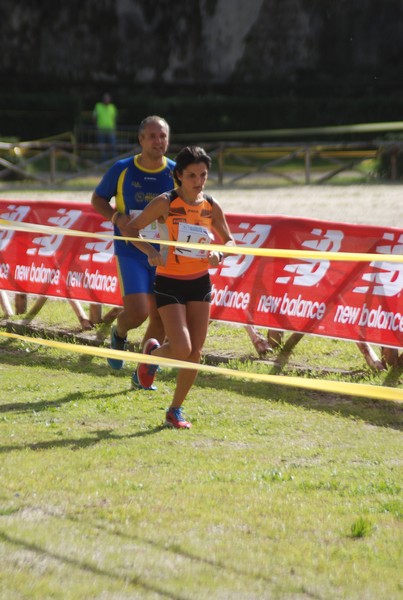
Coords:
190,155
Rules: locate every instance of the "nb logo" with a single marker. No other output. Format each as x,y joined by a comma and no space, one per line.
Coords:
14,213
101,251
47,245
386,279
236,265
309,272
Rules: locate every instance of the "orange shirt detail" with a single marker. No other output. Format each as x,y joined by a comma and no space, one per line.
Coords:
178,265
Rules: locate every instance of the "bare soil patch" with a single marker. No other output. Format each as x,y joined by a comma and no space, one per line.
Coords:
362,204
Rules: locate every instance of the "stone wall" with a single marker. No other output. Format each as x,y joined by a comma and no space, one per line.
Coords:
80,44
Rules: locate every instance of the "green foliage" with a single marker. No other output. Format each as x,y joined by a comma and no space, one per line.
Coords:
32,116
220,112
361,528
394,507
389,163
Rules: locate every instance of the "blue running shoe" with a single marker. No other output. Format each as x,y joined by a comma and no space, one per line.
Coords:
117,343
137,386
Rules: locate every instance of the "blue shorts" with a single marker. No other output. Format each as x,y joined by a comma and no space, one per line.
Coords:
135,276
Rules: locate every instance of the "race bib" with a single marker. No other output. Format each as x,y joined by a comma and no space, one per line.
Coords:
151,231
193,234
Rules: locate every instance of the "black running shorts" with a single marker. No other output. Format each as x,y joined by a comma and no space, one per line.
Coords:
181,291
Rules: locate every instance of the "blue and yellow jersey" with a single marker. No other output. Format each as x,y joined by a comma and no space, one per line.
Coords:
133,187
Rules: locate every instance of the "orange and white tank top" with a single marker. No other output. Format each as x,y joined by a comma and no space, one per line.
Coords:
186,223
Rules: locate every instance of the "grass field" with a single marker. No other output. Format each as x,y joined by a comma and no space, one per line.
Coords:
275,493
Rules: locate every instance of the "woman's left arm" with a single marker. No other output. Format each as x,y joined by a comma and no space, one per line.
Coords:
220,226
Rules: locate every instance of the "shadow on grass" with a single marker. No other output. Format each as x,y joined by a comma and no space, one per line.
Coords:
176,550
375,412
21,407
77,363
137,580
80,443
381,413
43,405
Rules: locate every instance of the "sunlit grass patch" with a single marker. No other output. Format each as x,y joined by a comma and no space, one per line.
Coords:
275,492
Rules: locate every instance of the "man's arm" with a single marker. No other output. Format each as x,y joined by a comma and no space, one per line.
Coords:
125,225
122,222
102,206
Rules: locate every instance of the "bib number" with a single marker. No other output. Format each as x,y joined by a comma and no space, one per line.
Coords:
193,234
151,231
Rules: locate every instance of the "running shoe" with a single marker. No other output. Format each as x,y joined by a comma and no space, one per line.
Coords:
136,385
117,343
145,372
174,418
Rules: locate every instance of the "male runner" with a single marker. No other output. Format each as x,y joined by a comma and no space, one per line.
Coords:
134,182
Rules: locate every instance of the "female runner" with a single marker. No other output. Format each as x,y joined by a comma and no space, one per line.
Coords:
182,285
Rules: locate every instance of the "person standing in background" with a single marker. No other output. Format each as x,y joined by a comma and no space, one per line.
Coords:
134,182
105,116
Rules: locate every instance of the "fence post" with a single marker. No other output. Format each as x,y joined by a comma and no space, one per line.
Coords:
5,304
220,163
52,164
393,163
73,141
21,303
307,165
95,313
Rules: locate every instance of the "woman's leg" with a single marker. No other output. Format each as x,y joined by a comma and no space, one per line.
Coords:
198,315
186,330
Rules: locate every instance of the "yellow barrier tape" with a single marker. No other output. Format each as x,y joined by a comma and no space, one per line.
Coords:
321,385
237,250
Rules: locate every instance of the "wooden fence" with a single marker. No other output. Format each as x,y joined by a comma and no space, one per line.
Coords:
70,156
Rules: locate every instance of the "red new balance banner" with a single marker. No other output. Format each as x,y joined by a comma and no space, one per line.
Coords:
360,301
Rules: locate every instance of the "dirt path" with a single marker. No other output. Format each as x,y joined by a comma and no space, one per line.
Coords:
371,205
363,204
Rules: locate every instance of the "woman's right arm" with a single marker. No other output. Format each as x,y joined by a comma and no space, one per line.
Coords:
157,209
